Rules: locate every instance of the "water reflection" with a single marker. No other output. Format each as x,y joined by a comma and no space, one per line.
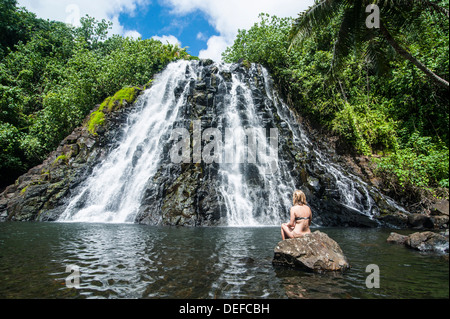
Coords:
133,261
112,258
301,285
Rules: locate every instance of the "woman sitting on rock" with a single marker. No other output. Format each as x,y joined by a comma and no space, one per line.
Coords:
301,216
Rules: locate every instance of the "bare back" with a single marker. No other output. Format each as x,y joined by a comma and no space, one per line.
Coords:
301,216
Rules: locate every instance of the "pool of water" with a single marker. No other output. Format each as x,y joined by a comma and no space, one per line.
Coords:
137,261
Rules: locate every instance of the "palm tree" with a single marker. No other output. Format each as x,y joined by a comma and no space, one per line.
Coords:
353,32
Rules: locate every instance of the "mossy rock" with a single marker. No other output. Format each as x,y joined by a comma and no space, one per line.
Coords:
113,103
247,64
61,159
97,119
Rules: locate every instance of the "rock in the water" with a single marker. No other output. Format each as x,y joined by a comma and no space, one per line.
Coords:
439,214
314,252
397,239
428,241
423,241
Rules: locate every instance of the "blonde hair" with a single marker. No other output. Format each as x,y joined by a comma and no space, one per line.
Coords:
299,198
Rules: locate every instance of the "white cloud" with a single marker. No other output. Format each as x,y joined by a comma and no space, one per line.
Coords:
227,17
132,34
168,38
216,45
70,11
201,36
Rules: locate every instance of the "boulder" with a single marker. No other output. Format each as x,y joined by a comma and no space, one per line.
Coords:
440,208
395,238
313,252
428,241
423,241
440,222
439,214
420,221
395,219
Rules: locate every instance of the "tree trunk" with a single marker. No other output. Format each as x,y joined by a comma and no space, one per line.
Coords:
436,79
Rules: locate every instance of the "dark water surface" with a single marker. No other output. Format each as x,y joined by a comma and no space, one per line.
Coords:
136,261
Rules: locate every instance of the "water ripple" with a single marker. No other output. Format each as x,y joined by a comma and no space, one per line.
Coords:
132,261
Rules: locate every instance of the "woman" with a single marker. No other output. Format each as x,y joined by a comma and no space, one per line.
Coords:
300,218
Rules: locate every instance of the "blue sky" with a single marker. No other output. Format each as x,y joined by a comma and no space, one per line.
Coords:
192,30
207,27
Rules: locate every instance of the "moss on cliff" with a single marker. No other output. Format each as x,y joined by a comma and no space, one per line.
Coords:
62,158
113,103
97,119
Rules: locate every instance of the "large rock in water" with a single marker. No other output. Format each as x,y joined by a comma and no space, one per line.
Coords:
314,252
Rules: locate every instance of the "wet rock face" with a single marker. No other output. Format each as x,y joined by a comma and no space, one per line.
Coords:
314,252
188,194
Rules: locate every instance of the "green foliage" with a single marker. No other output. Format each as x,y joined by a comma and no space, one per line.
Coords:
93,32
266,42
353,37
97,119
365,128
419,163
381,104
10,154
15,25
52,75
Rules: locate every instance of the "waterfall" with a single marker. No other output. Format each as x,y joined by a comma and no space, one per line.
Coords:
241,202
254,171
113,192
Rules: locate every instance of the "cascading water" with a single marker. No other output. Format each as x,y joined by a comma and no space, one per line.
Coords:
243,121
253,177
351,196
113,192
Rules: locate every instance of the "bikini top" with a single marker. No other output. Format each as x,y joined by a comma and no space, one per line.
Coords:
301,218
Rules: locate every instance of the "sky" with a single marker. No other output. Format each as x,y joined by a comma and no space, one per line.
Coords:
206,27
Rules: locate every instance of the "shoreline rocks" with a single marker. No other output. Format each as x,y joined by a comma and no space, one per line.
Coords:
401,220
423,241
314,252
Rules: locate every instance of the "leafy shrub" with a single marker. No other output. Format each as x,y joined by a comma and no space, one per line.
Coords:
52,75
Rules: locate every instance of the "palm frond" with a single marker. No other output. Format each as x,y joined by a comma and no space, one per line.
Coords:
315,17
377,55
431,5
344,40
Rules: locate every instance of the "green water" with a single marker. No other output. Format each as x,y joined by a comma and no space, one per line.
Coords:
136,261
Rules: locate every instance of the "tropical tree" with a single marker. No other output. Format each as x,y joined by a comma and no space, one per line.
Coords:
394,17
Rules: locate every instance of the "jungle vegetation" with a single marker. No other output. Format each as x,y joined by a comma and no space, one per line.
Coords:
383,90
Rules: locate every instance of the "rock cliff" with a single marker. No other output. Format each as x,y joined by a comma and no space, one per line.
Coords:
193,193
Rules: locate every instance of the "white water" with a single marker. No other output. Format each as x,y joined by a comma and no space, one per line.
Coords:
244,208
114,191
352,189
